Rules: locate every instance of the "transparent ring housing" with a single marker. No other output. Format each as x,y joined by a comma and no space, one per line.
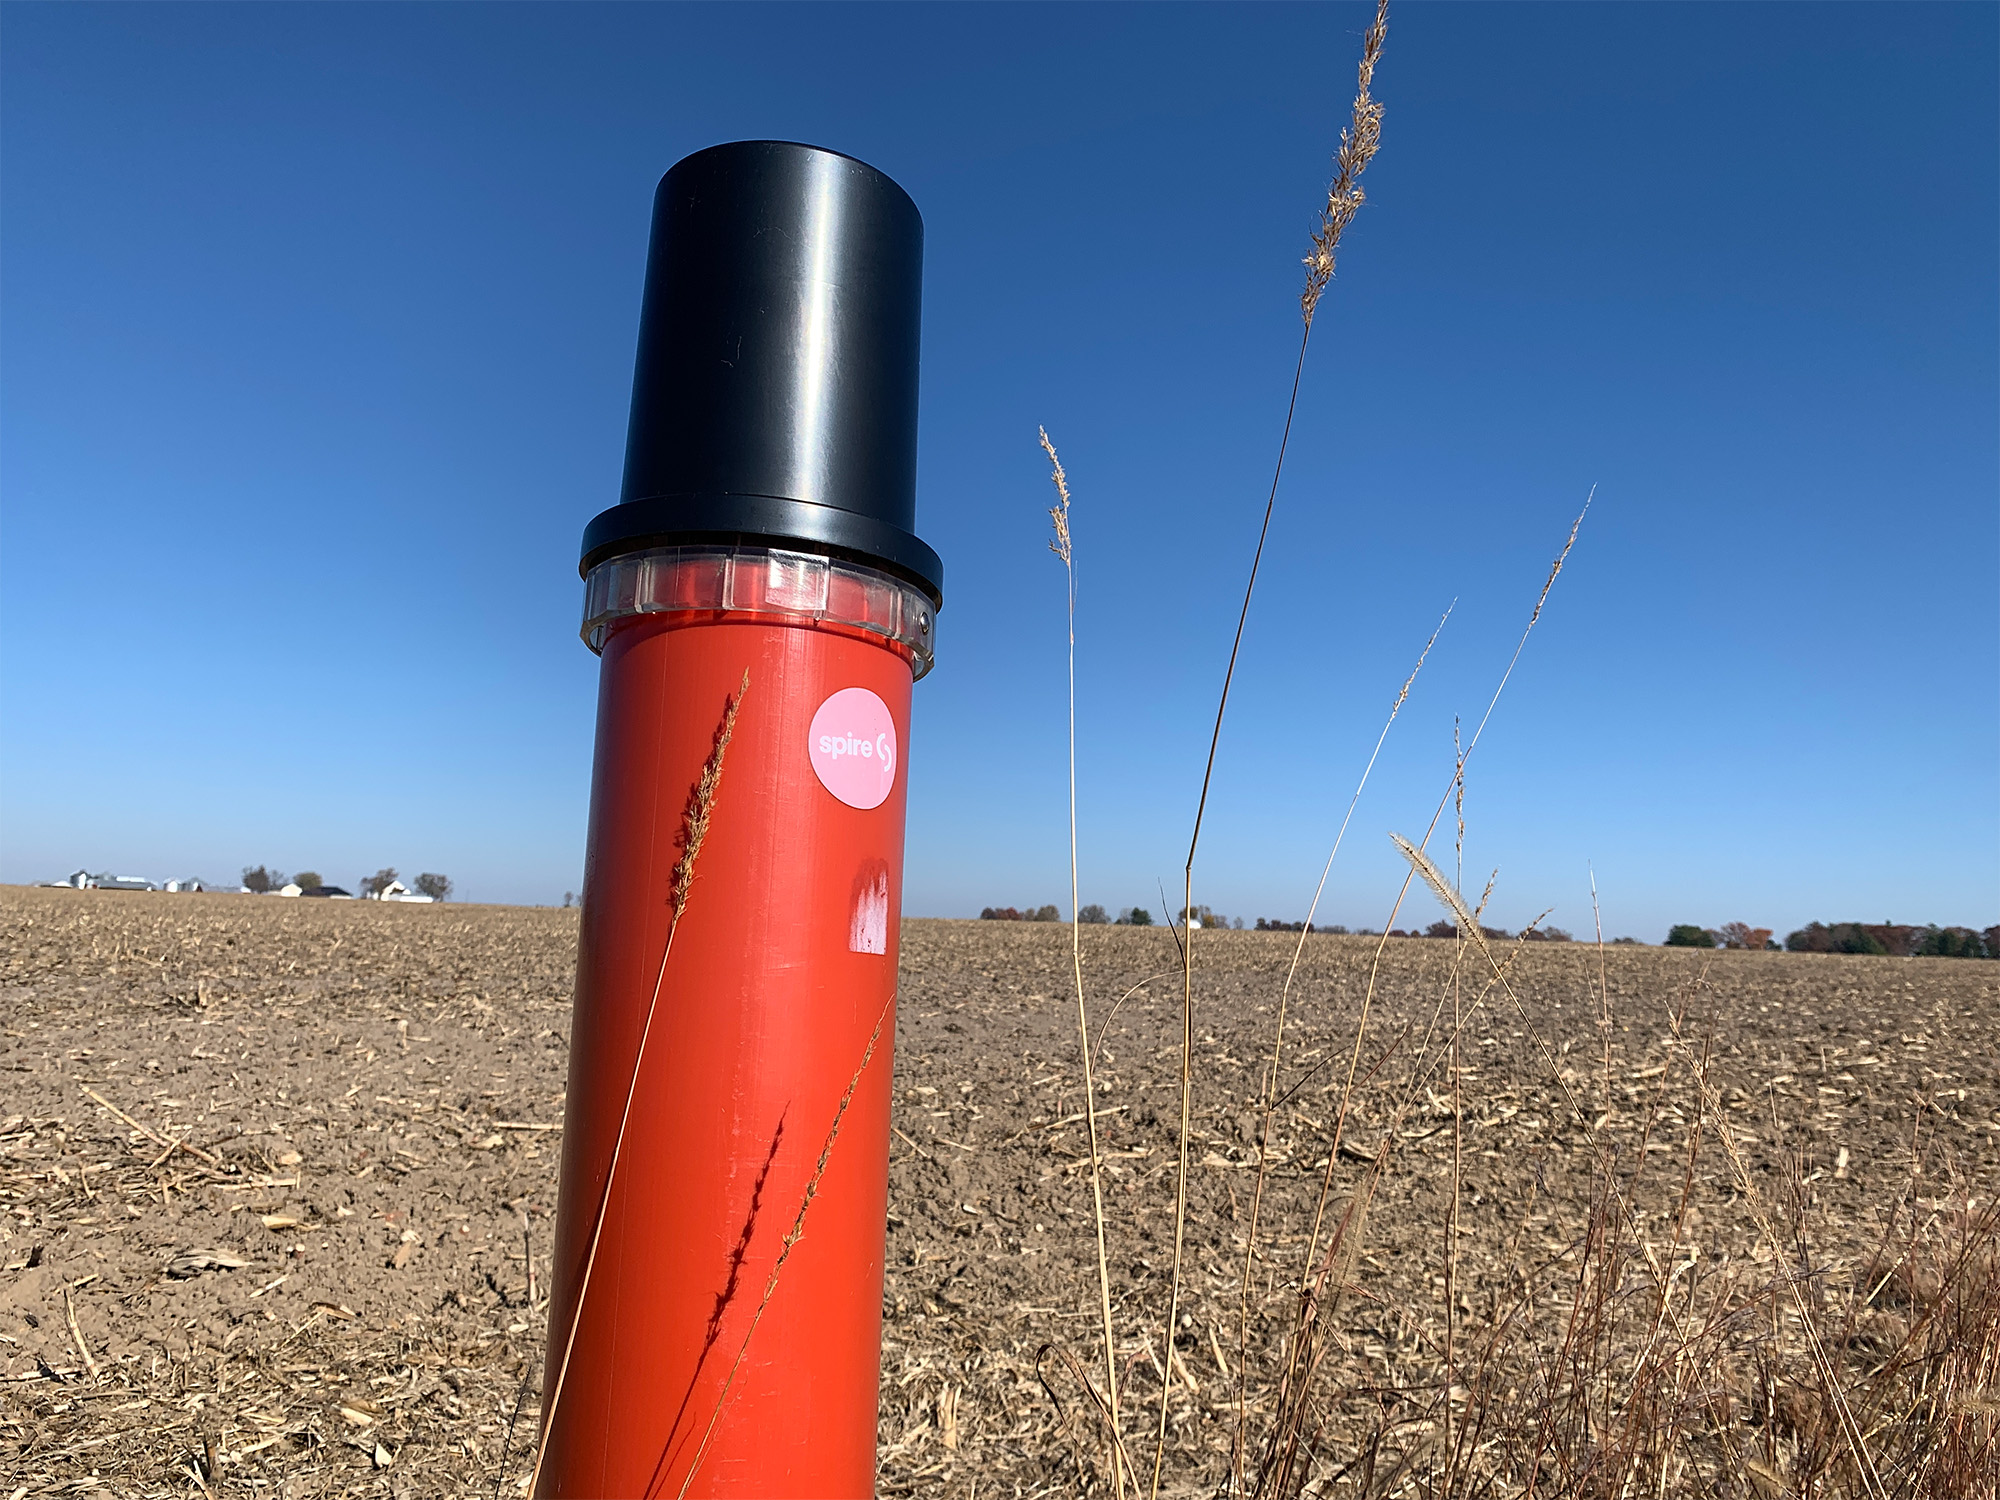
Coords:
799,588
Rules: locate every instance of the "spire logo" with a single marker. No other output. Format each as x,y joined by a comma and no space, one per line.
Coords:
852,746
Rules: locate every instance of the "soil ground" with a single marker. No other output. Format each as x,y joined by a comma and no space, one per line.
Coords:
286,1170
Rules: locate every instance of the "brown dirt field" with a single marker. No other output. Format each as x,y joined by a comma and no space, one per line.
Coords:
338,1288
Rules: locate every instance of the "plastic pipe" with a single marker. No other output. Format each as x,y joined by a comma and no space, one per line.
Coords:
765,535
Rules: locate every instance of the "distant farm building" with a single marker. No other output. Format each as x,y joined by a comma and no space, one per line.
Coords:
395,890
83,880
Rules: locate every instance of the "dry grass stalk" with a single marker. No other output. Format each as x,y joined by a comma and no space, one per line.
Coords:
1114,1439
1062,547
695,818
1288,1435
1469,926
1269,1102
701,806
1603,990
792,1237
1457,1108
1358,146
1458,773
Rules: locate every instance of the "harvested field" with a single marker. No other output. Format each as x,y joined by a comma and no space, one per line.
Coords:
279,1175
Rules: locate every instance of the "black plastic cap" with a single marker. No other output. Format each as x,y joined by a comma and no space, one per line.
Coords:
775,397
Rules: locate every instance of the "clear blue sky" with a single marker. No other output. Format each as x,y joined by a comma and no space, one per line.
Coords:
318,326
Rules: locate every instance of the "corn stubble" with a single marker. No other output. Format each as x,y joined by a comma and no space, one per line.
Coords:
279,1029
1621,1356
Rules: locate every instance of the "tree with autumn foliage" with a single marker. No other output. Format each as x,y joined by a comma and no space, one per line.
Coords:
1743,935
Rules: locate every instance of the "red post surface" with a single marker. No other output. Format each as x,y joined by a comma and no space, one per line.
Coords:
763,1018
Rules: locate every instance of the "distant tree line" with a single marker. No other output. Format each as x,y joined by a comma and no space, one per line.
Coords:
1435,930
1890,939
1091,915
262,880
1728,935
1491,934
1139,916
1895,940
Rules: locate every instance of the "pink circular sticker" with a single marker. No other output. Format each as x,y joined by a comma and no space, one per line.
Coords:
852,745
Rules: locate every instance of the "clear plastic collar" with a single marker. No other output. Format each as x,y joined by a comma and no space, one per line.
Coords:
800,588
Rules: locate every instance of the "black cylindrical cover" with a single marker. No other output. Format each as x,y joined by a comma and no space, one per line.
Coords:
775,395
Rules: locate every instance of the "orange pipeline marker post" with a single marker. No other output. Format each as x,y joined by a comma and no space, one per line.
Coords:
766,535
